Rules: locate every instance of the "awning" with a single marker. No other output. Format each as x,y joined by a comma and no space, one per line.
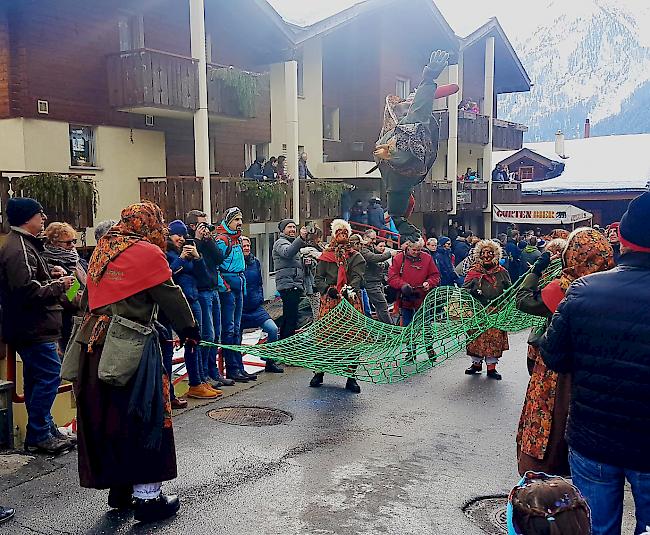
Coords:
539,214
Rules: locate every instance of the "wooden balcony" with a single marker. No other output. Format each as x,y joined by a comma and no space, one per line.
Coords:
146,80
506,193
474,129
507,135
433,197
236,94
472,196
67,207
259,201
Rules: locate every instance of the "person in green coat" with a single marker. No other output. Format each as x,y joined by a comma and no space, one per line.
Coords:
408,144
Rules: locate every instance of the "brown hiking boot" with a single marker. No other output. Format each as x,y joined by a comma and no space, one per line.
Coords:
214,389
201,391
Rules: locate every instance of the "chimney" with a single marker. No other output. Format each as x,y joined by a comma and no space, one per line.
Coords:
559,144
587,129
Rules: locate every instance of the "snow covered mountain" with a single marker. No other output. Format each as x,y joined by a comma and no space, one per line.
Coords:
587,58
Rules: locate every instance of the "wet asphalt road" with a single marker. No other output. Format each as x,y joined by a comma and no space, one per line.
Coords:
398,459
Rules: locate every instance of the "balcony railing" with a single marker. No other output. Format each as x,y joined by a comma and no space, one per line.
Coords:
146,78
66,207
507,135
259,202
472,195
506,192
432,197
233,93
472,128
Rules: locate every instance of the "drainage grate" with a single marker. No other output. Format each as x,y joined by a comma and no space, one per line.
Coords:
255,416
489,514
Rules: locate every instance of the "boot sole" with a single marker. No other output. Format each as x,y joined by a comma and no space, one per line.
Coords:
203,397
157,518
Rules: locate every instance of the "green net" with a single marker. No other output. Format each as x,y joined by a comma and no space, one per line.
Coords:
347,343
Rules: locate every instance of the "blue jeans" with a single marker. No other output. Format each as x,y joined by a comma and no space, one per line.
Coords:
192,361
271,329
42,377
407,315
231,309
210,331
602,486
366,302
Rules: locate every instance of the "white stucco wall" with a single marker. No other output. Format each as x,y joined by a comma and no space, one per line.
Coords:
39,145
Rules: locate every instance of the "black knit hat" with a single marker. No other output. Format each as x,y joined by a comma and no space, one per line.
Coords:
283,224
634,230
22,209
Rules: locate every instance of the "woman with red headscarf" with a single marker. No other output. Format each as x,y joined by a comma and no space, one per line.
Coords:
126,441
541,445
339,275
486,281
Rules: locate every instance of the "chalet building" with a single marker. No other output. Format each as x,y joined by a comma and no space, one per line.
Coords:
171,100
593,178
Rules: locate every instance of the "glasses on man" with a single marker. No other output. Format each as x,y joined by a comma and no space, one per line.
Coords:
69,242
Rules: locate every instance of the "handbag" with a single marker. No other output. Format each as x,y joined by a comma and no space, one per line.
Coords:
72,354
124,345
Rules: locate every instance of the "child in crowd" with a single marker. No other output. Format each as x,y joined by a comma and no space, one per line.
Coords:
547,505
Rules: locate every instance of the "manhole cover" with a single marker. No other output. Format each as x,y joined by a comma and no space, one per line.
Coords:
489,514
255,416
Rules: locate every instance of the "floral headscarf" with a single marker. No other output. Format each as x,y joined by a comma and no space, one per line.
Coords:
139,221
587,252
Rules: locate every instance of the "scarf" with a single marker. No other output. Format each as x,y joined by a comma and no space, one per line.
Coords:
588,251
338,253
129,259
479,271
139,222
55,256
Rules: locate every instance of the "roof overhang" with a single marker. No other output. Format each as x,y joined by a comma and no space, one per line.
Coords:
531,155
510,76
341,19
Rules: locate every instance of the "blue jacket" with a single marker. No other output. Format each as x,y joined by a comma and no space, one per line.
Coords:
461,250
513,253
232,268
601,335
376,216
448,275
185,272
254,314
210,278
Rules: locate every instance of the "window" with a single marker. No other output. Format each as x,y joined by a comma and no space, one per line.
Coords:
331,124
526,173
82,146
131,31
403,87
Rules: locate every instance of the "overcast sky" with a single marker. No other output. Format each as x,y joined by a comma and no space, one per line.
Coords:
463,16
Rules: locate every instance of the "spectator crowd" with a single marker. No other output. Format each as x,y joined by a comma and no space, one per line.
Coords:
204,282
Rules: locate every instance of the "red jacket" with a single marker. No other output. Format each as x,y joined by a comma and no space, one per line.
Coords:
406,270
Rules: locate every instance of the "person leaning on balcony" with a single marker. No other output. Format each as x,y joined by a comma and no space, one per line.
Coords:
283,174
256,169
126,440
271,169
229,243
31,319
61,250
289,273
303,169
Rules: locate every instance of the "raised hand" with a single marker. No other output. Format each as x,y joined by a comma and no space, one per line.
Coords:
437,63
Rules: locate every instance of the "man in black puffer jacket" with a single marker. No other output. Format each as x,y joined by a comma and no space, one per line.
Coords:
601,335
